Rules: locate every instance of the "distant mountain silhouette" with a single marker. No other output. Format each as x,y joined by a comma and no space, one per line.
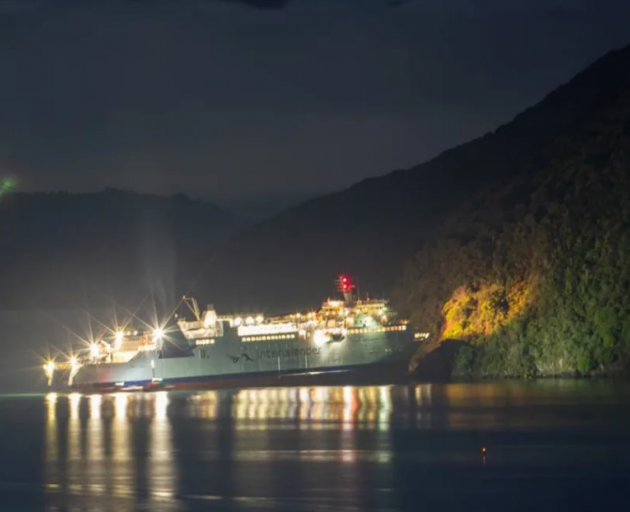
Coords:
371,228
60,250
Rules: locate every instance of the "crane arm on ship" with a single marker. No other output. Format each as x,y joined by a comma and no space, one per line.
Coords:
191,302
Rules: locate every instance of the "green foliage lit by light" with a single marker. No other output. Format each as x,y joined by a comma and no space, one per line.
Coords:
537,281
486,308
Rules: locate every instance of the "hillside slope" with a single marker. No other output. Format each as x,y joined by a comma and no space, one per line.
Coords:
371,228
63,250
536,276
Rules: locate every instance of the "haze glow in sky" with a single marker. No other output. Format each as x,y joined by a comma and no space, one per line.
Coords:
255,109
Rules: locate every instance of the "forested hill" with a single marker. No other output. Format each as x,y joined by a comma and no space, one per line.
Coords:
63,250
535,275
370,229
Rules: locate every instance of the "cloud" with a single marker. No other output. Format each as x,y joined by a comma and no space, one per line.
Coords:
257,4
17,6
261,4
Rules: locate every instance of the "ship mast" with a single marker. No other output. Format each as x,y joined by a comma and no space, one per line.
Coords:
345,286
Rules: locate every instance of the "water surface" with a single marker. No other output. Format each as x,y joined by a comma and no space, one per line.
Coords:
553,445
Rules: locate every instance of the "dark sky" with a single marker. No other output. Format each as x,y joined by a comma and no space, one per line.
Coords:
256,107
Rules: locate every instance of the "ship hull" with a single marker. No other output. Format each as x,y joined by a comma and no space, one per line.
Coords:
237,362
373,374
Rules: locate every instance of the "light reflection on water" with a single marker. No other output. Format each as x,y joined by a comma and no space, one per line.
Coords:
91,451
340,447
314,408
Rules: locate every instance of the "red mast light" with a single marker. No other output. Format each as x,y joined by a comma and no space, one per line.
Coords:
344,283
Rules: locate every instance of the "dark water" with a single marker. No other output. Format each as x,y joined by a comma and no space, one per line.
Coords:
550,446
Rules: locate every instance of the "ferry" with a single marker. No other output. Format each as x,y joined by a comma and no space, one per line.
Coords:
206,349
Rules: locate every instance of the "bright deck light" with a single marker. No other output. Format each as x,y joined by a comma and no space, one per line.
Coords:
320,338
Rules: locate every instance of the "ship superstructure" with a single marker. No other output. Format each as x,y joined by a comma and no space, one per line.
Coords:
344,334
